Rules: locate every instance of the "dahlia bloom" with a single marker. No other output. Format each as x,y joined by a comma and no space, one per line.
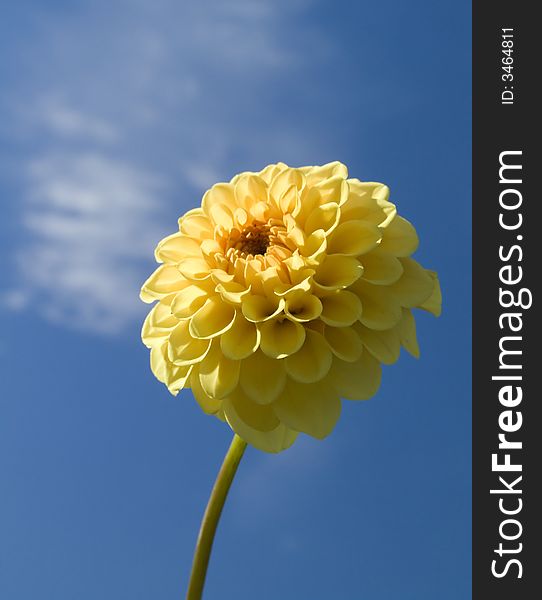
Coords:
285,292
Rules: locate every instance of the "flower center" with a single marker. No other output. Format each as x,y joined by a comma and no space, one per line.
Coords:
254,239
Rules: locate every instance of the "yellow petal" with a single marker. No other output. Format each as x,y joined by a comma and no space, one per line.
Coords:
325,217
354,238
344,342
165,280
220,276
303,307
221,215
218,375
341,309
261,308
406,330
196,225
381,309
332,190
249,189
211,250
157,325
241,340
314,247
178,378
381,268
288,200
312,361
159,362
338,272
399,238
212,319
283,183
183,349
194,268
208,404
262,378
188,301
257,425
281,337
359,380
271,171
367,202
316,174
415,285
174,377
433,304
219,194
384,345
175,248
232,292
313,408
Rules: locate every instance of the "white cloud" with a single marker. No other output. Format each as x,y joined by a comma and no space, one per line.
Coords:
91,222
67,121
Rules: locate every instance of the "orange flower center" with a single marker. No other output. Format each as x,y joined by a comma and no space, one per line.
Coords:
254,239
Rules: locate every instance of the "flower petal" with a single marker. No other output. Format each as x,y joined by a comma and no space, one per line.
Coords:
341,309
208,404
195,224
433,304
399,238
212,319
281,337
338,272
381,309
384,345
250,188
354,238
406,329
157,325
257,425
367,201
415,285
232,292
318,173
221,215
325,217
219,194
159,362
165,280
313,408
194,268
312,361
381,268
218,375
261,308
241,340
344,343
176,247
303,307
262,378
284,182
178,378
359,380
183,349
188,301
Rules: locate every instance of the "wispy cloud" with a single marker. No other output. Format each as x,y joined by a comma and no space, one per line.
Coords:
90,221
138,99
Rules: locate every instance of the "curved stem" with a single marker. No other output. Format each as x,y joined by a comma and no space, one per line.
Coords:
211,517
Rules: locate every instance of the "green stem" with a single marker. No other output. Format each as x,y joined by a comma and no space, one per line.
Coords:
211,517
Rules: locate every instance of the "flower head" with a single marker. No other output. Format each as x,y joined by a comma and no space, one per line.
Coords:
282,294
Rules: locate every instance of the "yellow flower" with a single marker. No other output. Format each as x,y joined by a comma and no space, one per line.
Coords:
283,294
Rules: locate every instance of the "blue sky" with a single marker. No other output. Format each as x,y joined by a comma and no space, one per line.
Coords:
116,117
